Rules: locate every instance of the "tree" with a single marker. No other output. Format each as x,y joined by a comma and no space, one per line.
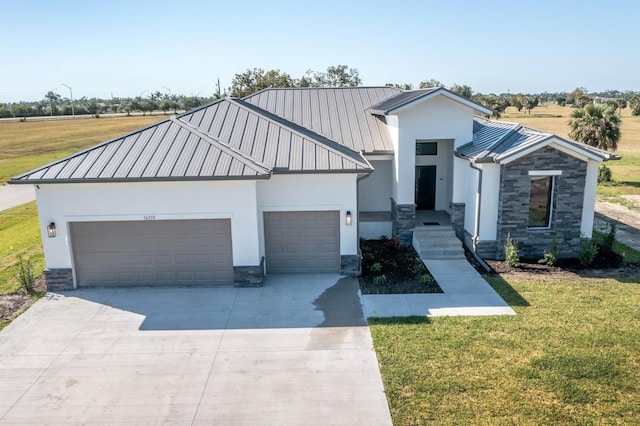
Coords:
21,110
254,80
634,104
53,99
621,103
462,90
528,103
338,76
595,125
561,100
403,86
432,82
582,101
573,96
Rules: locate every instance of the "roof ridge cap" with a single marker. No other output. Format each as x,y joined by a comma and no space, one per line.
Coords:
316,138
245,159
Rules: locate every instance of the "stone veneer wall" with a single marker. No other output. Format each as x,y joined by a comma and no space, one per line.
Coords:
513,207
59,279
249,276
484,249
350,264
457,218
403,217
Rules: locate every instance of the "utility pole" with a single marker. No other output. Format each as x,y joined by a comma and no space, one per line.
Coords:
73,113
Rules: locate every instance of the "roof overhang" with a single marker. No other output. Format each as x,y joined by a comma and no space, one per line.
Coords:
430,95
563,145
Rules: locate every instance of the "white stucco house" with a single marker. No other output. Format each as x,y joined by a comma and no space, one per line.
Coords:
287,180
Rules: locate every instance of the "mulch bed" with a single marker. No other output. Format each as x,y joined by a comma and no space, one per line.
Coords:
12,304
401,267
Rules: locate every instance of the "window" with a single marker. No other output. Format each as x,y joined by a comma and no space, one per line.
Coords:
540,201
426,148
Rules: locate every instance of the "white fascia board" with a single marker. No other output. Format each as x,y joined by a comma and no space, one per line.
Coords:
375,157
553,142
452,96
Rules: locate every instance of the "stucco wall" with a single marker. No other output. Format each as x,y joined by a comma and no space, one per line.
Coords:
312,192
437,118
374,191
568,199
64,203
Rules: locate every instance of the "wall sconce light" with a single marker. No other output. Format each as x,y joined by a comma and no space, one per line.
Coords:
348,218
51,230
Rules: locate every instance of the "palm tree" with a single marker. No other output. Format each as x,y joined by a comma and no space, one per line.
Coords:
595,125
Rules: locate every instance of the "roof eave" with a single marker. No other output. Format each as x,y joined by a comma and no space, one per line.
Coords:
129,180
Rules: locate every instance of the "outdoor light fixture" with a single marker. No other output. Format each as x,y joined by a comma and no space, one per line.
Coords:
51,230
348,218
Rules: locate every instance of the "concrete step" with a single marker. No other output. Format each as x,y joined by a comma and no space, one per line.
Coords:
437,242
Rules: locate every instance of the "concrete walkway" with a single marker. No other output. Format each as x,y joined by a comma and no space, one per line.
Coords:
15,195
465,293
294,352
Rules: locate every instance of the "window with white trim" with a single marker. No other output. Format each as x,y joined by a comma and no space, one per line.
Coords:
541,201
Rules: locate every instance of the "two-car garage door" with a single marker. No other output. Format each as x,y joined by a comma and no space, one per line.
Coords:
169,252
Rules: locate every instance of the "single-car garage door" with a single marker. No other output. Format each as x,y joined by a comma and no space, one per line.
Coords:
162,252
307,241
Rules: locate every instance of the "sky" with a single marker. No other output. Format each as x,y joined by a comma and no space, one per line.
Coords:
131,48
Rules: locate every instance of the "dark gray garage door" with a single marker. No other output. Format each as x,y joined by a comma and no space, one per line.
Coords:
302,241
163,252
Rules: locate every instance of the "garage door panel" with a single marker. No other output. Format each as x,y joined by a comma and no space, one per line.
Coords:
184,252
305,241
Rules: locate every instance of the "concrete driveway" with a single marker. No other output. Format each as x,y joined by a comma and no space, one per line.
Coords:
15,195
296,351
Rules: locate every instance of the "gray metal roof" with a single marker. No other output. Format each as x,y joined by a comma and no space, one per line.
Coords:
496,141
228,139
272,140
339,114
390,105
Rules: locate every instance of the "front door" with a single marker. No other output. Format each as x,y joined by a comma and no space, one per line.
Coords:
425,187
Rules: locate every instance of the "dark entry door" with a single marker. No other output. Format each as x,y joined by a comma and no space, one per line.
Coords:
425,187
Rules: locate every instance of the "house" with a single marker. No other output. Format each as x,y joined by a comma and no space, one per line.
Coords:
287,180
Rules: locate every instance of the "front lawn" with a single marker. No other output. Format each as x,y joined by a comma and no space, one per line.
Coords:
571,355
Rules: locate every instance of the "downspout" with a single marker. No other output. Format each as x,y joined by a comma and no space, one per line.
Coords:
476,230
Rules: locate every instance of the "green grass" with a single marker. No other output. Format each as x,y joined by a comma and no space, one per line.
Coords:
19,235
27,145
570,356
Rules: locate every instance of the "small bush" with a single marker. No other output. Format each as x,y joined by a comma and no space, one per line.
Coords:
419,269
426,279
604,174
609,238
376,268
25,274
511,253
588,251
550,257
380,279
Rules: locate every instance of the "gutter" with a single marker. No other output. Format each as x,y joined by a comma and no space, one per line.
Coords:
476,229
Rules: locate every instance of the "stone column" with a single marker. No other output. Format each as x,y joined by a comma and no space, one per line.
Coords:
457,219
403,218
59,279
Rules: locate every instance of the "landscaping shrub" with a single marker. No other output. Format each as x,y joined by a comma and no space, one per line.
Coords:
380,279
588,251
25,275
604,174
609,238
511,252
550,257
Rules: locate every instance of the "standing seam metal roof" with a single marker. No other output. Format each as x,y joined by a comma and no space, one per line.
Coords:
227,139
339,114
494,141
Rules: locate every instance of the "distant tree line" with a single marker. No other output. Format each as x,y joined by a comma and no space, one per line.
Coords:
256,79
